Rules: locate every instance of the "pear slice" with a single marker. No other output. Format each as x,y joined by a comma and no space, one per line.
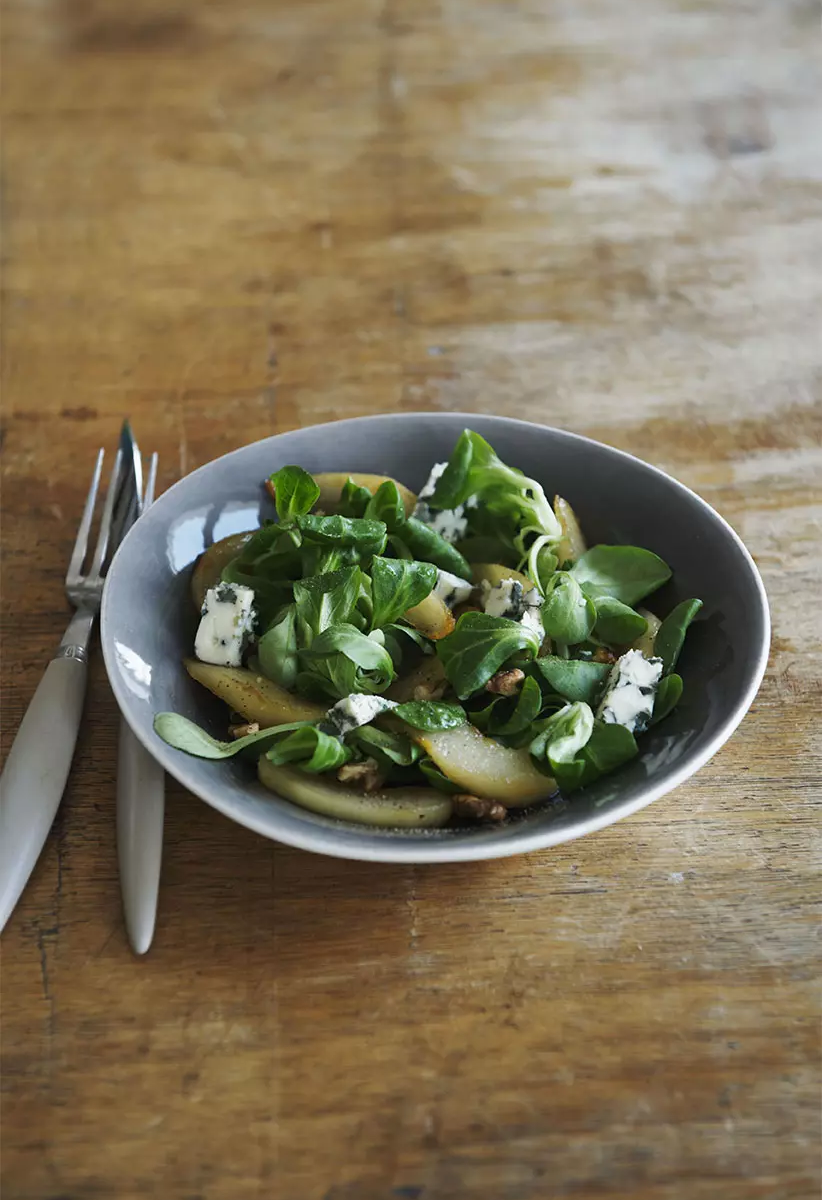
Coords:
209,566
393,808
572,545
645,641
432,617
494,573
255,697
483,767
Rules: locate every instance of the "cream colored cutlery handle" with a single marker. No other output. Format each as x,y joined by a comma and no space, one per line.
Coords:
36,770
140,811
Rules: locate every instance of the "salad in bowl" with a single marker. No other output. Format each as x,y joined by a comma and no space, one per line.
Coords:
418,661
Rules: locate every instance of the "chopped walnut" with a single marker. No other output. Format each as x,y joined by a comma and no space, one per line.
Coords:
238,731
366,776
475,808
601,655
506,683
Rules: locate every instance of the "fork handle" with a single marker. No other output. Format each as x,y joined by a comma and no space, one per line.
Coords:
140,812
36,770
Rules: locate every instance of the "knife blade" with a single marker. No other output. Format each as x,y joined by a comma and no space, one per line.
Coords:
140,786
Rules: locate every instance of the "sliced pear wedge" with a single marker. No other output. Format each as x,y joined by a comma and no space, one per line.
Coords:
432,617
255,697
483,767
331,483
494,573
393,808
645,641
572,545
209,566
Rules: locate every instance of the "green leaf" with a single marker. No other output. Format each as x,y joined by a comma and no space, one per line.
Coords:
277,649
386,505
568,615
367,537
512,715
401,641
295,492
326,600
436,778
606,748
671,634
411,634
668,695
542,563
311,750
426,545
517,502
571,677
609,747
479,646
563,736
397,585
322,560
367,652
182,734
342,660
628,573
432,716
387,747
268,562
616,623
353,499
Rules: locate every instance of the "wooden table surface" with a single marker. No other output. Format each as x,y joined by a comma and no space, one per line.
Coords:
232,220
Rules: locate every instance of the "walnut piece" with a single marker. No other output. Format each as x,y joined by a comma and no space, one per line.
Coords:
475,808
238,731
506,683
366,776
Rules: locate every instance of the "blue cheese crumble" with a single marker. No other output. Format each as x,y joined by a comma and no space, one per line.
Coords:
355,710
630,691
510,599
226,624
452,589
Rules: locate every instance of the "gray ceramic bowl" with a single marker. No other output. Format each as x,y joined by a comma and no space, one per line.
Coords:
148,623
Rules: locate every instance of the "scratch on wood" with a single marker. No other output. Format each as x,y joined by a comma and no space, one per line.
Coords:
44,967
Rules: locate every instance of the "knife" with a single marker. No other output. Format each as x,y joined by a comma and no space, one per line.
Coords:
140,787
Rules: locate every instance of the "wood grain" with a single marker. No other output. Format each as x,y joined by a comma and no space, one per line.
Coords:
228,221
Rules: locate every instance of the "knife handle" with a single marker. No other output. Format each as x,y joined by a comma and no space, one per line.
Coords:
36,770
140,811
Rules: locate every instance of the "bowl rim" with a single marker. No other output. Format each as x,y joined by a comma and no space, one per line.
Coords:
324,839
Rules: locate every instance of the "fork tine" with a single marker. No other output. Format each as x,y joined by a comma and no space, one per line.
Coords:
126,505
81,542
105,521
151,482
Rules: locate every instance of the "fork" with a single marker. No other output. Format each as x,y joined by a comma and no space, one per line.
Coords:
37,767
